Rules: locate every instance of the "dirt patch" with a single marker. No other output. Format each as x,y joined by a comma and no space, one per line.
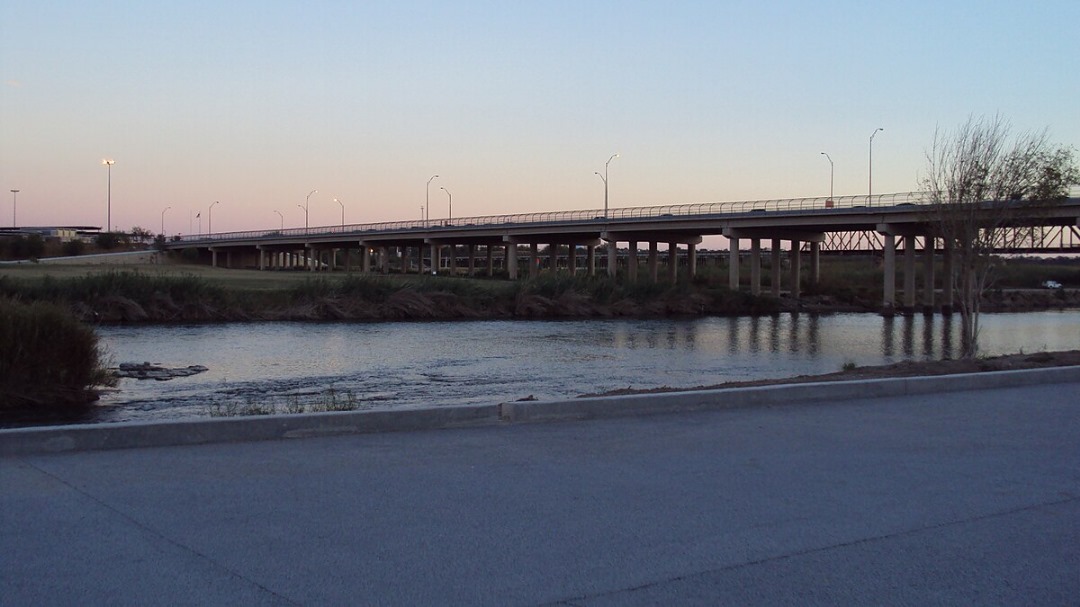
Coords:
1008,362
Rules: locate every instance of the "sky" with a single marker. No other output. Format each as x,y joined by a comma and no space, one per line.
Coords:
515,105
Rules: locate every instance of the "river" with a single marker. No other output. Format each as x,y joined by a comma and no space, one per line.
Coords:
392,365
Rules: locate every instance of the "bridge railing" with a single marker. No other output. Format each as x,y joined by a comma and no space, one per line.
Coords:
694,209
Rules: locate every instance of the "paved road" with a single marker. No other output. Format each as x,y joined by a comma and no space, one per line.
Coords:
967,498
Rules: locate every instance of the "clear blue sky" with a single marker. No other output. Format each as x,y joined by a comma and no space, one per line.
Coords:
513,104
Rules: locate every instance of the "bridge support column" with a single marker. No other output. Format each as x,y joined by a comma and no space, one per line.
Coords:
631,262
213,257
262,259
612,258
755,266
512,261
733,263
691,259
889,299
928,275
947,279
534,259
365,258
490,261
775,270
553,257
796,268
815,263
571,259
590,259
453,259
909,272
673,262
472,259
652,260
435,261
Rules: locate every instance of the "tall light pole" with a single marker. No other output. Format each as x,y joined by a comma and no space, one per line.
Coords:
831,173
427,198
450,199
210,218
282,219
342,211
870,170
163,220
108,162
307,201
14,205
604,177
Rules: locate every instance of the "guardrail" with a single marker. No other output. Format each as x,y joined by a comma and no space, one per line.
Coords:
590,215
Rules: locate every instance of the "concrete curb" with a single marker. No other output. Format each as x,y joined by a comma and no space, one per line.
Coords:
95,437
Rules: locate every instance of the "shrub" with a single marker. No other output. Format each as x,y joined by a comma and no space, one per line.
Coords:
47,357
73,248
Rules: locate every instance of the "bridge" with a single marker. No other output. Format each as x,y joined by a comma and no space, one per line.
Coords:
879,224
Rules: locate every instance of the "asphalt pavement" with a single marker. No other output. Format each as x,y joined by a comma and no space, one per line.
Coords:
968,497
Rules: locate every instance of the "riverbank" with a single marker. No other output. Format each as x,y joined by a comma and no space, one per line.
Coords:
181,294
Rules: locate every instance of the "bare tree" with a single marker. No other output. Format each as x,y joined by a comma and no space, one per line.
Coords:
981,180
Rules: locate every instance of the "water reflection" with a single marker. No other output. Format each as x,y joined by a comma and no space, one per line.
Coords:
414,364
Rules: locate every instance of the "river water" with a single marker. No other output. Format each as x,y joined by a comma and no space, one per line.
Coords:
394,365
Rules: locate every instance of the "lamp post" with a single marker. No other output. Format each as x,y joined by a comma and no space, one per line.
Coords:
427,198
832,172
163,220
14,205
108,162
342,211
450,201
870,170
307,201
605,178
282,219
210,218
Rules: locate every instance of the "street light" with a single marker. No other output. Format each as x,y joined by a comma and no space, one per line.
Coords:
870,170
831,173
307,201
163,220
342,212
210,218
14,205
450,213
108,162
282,219
604,177
427,198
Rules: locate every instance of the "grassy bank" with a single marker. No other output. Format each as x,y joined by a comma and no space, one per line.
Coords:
47,358
157,295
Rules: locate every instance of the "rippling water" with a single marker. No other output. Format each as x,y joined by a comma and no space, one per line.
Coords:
388,365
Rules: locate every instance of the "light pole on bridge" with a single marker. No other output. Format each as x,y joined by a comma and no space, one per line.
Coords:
342,211
450,202
307,202
14,205
831,173
870,170
427,200
605,178
210,217
108,162
282,218
163,220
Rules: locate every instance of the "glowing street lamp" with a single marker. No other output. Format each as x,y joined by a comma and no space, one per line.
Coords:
307,202
605,178
342,211
108,162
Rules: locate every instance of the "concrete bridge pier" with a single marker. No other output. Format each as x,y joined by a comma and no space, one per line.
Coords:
472,259
733,263
511,257
590,256
631,263
534,259
796,269
775,270
947,284
909,273
928,275
571,259
490,260
553,257
612,257
755,266
673,262
653,265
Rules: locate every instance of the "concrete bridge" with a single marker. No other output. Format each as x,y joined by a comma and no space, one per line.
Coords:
792,228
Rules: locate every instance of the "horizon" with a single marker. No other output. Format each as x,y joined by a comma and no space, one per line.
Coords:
516,108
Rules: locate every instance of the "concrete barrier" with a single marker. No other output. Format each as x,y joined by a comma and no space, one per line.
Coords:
91,437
